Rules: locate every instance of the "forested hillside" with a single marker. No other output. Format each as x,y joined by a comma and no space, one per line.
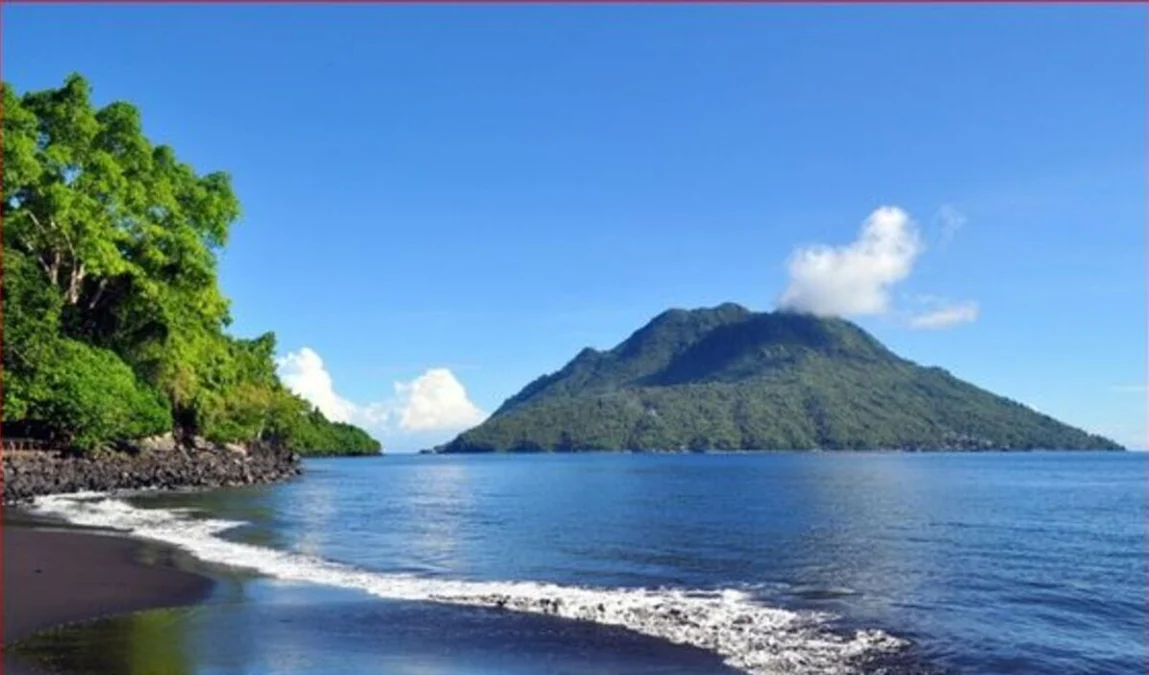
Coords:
114,324
726,378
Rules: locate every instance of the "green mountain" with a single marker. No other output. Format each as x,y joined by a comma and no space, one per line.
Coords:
727,378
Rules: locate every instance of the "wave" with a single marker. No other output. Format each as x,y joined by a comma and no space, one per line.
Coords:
749,636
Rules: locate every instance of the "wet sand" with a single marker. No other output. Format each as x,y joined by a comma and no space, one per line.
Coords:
57,576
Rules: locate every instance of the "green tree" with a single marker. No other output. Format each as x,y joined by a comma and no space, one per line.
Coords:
112,301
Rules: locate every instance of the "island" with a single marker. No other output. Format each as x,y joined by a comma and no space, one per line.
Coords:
729,379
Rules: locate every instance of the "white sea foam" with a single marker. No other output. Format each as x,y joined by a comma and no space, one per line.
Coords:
748,635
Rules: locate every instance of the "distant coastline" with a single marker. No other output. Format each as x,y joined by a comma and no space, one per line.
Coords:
760,451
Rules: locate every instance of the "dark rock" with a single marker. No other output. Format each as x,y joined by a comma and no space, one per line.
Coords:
152,463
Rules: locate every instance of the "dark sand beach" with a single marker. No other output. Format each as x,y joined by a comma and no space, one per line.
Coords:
56,576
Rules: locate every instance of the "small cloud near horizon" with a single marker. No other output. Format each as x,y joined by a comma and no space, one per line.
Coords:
429,407
436,401
949,220
946,316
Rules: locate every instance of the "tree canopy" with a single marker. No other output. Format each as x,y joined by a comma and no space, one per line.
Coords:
114,321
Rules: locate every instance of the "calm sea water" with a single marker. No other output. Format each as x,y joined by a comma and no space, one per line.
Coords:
964,563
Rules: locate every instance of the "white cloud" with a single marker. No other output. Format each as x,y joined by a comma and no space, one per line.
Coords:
858,279
946,316
427,406
435,401
304,374
949,220
1129,388
855,279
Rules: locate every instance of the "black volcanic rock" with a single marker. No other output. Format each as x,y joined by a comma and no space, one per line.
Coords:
152,466
726,378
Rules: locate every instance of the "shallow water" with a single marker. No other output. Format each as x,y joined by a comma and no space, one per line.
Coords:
971,563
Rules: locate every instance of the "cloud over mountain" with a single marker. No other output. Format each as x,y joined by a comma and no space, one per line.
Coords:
858,278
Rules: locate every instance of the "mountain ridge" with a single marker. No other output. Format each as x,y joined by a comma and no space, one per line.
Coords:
727,378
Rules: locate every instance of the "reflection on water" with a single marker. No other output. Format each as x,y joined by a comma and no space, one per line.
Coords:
447,494
855,510
289,629
145,643
317,517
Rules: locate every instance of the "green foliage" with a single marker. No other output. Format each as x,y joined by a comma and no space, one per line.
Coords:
31,328
113,317
318,436
729,379
87,395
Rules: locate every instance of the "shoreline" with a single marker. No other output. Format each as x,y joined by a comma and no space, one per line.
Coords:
29,474
56,574
791,451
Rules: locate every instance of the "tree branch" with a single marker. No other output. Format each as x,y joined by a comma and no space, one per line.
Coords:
51,268
67,239
36,221
99,293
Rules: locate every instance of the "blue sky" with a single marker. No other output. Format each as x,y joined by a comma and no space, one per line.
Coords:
443,202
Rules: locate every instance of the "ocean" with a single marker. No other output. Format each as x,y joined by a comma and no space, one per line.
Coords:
635,564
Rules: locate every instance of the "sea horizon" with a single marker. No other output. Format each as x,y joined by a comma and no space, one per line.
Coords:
574,339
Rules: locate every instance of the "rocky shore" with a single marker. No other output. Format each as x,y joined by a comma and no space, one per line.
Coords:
158,463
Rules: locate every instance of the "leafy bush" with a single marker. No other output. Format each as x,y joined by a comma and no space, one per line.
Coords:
88,396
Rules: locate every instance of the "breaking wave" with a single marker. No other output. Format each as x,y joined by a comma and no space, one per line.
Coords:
749,636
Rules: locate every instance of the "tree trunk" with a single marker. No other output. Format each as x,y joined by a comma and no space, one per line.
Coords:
75,279
52,267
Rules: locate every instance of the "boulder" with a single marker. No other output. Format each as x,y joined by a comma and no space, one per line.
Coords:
162,443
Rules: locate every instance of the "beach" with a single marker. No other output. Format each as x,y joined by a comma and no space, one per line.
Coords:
53,576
